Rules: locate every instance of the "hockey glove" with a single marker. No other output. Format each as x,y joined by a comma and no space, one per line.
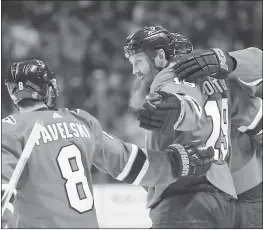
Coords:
193,161
161,112
204,63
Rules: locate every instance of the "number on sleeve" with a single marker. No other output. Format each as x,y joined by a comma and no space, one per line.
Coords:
220,125
177,82
77,187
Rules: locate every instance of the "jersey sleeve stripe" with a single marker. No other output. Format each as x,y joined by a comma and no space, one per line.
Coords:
255,131
181,115
255,122
252,83
143,170
137,169
259,132
129,164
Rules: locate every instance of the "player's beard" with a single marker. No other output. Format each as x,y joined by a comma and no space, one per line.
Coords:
140,88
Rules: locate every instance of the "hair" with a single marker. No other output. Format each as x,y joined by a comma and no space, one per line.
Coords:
26,103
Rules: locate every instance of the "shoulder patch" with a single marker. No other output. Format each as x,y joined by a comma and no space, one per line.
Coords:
177,82
10,119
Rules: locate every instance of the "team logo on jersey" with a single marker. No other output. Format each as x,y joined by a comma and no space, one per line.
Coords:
10,119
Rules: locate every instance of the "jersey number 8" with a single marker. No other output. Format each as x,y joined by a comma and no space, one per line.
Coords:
77,187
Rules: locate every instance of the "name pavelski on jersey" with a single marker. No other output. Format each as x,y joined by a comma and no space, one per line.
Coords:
62,130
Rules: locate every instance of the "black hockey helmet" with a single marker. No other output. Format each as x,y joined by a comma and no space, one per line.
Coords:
148,40
32,79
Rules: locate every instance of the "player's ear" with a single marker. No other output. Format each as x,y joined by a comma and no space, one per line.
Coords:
160,60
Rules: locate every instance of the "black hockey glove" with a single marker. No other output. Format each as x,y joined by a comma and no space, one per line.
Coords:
194,161
204,63
161,112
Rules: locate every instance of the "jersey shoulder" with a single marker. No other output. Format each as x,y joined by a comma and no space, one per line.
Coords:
80,113
13,124
166,80
9,120
164,77
83,116
249,55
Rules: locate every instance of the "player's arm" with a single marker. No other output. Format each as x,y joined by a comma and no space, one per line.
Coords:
11,149
248,66
178,106
128,163
246,111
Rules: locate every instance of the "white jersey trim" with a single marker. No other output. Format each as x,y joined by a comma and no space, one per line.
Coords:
129,164
254,123
252,83
143,171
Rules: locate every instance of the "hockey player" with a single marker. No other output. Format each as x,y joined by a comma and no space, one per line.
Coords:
183,112
246,163
55,188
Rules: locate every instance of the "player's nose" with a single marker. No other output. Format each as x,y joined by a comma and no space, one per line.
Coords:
134,70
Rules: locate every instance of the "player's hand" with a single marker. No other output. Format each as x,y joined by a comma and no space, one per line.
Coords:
194,161
203,63
161,112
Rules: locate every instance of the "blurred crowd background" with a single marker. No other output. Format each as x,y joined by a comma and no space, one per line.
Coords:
82,41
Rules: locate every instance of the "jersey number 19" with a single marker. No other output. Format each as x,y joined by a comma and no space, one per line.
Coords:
77,187
220,127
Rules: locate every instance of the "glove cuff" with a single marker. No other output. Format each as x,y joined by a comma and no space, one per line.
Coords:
234,63
225,60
